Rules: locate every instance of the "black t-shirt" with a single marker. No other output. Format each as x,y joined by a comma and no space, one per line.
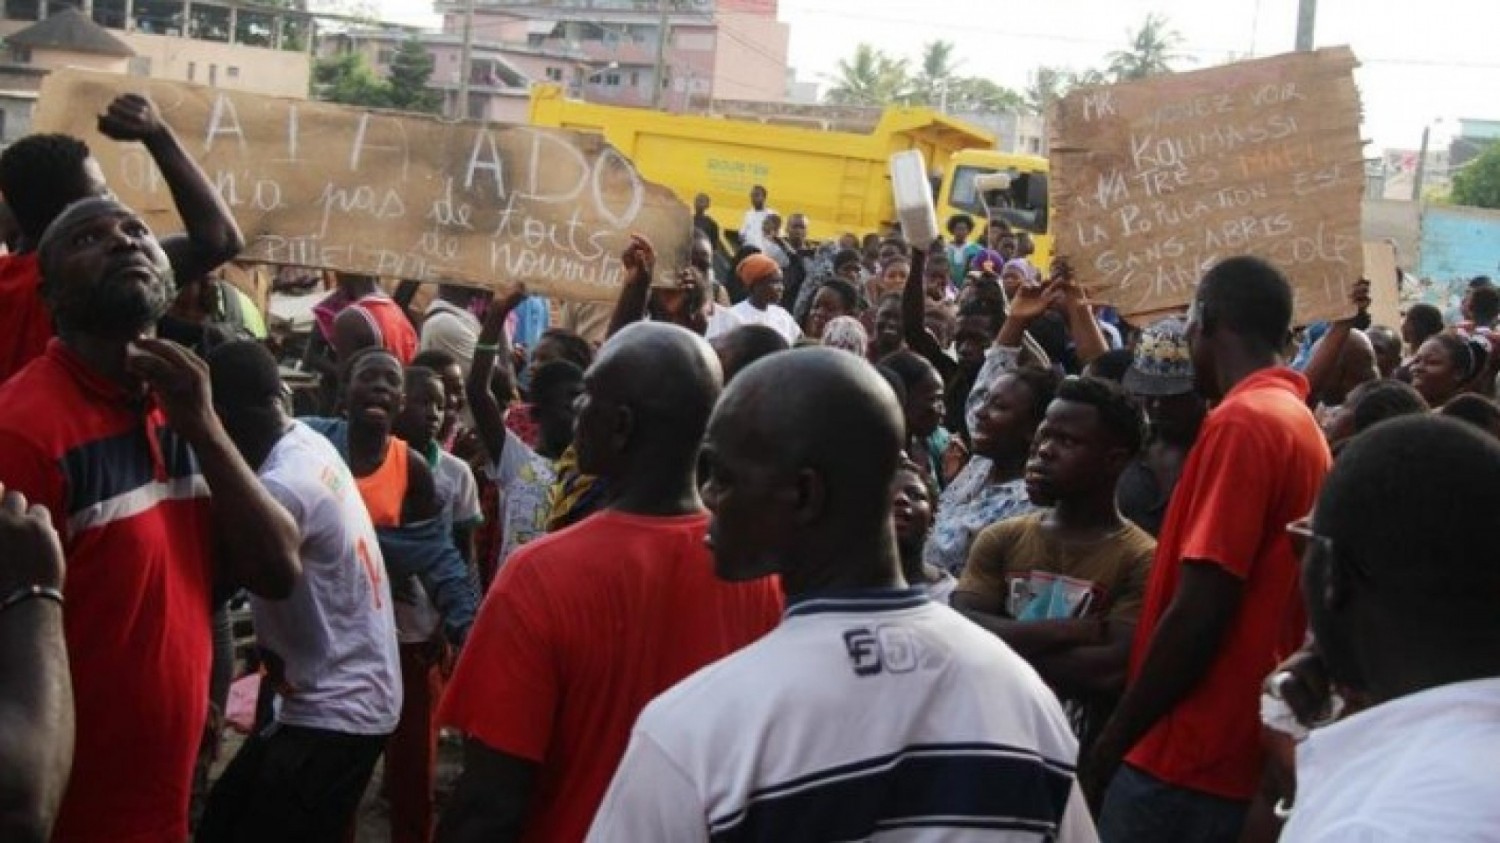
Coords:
706,224
1141,498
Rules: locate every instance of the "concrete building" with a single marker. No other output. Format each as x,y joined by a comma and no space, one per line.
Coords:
500,74
607,50
142,45
1474,137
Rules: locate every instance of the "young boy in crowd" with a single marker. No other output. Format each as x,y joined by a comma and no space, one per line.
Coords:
1063,586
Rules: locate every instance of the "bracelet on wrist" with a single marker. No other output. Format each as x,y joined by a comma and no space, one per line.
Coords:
31,592
491,347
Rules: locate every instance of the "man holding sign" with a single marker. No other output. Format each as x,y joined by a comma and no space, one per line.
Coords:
40,175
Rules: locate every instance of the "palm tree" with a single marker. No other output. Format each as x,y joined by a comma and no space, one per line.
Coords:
870,77
936,75
1151,51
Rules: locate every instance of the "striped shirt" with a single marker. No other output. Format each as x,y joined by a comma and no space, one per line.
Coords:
868,715
133,510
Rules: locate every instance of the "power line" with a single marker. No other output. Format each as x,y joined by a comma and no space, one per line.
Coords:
968,27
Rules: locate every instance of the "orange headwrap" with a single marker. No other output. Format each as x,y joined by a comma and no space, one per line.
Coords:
757,268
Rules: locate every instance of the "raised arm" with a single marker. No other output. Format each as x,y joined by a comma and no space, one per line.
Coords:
1088,339
639,260
256,541
914,315
36,691
211,236
1323,366
492,359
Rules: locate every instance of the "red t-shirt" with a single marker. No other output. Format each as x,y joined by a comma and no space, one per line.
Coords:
1257,466
580,631
133,511
391,325
25,322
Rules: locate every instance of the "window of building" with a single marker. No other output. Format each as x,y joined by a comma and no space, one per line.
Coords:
612,80
21,54
192,71
635,79
554,74
213,75
232,72
385,55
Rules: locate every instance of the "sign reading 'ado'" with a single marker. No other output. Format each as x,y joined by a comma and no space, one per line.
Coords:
1155,181
394,195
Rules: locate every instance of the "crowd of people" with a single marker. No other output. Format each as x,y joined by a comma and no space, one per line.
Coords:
943,551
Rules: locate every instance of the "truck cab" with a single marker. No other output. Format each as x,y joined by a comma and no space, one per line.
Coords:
1023,204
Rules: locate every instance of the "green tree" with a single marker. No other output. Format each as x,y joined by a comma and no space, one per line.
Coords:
870,78
1050,84
973,93
411,69
1151,51
346,78
936,75
1477,183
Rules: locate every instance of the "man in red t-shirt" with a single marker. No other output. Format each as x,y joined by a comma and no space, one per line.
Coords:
1222,607
40,175
586,626
115,433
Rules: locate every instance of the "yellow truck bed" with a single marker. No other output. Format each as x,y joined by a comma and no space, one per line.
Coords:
839,179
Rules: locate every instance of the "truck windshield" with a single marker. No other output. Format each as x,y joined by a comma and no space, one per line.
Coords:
1010,205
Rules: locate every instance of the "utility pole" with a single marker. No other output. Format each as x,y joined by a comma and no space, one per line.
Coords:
1307,14
1421,174
466,57
663,33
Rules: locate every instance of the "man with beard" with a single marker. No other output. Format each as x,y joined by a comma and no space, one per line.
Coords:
40,175
1063,586
115,433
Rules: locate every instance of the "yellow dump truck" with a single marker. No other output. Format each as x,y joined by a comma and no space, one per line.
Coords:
810,164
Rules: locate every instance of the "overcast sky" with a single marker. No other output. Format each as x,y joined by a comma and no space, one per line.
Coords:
1422,62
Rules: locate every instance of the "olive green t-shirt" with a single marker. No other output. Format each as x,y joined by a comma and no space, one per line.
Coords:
1034,576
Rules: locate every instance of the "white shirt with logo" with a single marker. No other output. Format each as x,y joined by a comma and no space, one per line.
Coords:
335,635
866,715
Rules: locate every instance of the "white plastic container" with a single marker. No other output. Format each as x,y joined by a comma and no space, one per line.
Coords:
913,198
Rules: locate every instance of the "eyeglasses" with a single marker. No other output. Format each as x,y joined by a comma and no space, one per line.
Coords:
1304,539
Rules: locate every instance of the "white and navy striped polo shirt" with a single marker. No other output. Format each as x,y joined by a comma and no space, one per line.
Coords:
866,715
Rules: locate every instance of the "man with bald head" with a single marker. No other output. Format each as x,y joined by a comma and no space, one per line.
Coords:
585,626
114,432
870,709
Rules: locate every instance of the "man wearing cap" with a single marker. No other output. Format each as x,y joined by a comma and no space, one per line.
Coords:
762,277
1161,378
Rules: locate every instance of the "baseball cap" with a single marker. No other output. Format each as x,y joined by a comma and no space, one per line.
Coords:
1163,363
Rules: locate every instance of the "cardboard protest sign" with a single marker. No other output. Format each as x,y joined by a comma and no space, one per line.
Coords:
1154,181
393,195
1385,286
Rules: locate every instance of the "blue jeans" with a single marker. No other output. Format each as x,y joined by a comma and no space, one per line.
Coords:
1140,808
